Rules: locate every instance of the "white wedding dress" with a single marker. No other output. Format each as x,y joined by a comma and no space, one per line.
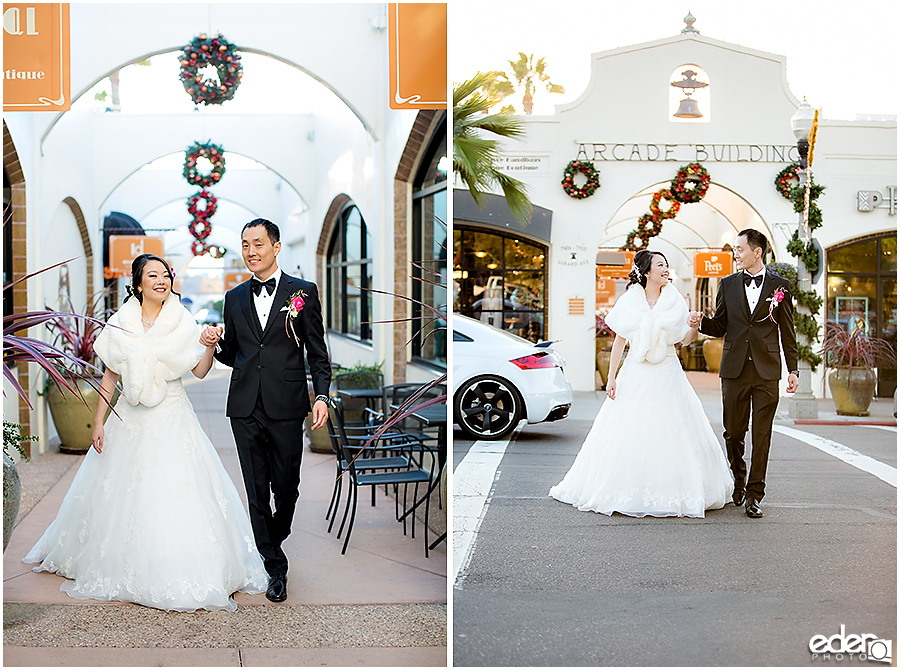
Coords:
155,519
651,451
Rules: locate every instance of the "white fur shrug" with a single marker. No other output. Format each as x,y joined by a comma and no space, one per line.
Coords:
146,361
650,331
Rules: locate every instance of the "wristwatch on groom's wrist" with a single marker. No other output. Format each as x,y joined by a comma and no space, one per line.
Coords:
322,397
796,373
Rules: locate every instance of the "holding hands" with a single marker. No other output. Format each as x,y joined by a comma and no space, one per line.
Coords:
210,335
694,319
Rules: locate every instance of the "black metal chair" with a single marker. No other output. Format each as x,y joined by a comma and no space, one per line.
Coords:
397,394
365,470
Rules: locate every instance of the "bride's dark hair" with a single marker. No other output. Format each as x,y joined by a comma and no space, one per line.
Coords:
642,261
137,275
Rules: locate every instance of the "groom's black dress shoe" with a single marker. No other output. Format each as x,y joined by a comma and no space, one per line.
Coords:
752,509
738,498
277,591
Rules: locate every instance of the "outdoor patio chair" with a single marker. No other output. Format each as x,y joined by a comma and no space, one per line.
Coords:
362,473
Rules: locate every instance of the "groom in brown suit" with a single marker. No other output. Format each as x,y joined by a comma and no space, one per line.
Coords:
754,312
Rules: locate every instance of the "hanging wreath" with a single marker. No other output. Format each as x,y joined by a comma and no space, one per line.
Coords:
661,214
210,207
214,154
588,170
198,248
690,184
787,179
200,228
221,54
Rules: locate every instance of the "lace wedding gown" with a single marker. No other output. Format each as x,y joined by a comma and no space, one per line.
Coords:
651,451
155,519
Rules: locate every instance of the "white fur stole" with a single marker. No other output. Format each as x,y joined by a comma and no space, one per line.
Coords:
146,361
650,331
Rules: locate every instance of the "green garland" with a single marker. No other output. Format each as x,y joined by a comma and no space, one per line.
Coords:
223,56
589,171
805,325
690,185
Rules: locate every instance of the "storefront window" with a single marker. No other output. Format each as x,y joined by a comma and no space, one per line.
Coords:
862,293
500,280
349,276
430,253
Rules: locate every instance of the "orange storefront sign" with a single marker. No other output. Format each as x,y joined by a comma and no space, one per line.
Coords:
235,277
716,264
36,72
606,291
417,54
614,264
123,249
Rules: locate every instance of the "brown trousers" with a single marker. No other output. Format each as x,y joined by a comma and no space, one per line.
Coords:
739,396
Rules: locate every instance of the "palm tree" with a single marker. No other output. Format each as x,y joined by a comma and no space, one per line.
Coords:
474,154
527,74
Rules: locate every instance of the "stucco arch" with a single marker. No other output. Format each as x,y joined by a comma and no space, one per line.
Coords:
85,241
261,52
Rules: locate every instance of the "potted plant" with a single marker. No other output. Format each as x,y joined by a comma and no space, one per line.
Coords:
853,357
604,337
18,348
73,412
12,487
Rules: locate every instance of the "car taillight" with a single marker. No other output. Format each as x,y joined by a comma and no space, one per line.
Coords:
542,359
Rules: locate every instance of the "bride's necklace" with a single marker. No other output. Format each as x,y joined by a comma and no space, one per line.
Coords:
652,301
147,324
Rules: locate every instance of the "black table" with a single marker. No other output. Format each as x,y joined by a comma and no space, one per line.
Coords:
434,415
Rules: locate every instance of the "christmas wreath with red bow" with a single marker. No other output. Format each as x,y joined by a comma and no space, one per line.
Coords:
689,185
787,179
588,170
211,152
221,54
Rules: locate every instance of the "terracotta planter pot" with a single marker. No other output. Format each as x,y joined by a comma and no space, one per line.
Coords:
12,495
712,353
852,390
74,420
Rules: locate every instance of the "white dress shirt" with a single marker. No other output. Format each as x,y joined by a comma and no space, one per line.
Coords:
264,302
752,290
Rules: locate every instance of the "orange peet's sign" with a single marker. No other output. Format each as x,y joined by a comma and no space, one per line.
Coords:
716,264
36,72
235,277
417,55
123,249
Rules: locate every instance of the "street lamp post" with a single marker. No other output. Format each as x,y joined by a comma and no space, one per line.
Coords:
803,403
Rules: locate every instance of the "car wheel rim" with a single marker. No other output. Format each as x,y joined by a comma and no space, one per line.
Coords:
487,408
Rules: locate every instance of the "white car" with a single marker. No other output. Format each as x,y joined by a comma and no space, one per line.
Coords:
500,379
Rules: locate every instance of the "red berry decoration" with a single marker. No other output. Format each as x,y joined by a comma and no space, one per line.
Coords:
190,171
588,170
690,184
222,55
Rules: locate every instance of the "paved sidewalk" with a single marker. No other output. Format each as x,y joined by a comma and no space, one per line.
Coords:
382,604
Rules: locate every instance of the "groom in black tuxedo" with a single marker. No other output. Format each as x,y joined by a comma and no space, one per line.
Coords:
753,320
268,398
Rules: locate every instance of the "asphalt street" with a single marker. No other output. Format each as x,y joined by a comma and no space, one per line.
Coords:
543,584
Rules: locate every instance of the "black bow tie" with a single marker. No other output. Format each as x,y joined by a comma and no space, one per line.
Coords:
257,285
750,278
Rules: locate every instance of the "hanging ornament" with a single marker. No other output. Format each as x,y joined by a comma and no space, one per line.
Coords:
216,52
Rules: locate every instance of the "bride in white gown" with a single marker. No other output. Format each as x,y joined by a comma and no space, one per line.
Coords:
152,517
651,450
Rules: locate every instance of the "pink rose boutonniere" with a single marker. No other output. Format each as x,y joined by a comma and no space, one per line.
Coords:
295,305
774,301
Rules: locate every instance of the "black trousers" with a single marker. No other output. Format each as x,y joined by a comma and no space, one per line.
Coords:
749,392
270,451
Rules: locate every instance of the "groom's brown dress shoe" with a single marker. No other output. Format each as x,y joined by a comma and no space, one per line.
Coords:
738,498
752,509
277,591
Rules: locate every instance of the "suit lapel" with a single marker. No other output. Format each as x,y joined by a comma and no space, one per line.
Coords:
742,295
250,309
766,291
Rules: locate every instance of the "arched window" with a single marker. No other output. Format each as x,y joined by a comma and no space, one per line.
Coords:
429,252
689,95
349,276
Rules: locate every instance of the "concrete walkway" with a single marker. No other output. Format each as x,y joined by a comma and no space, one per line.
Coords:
381,604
